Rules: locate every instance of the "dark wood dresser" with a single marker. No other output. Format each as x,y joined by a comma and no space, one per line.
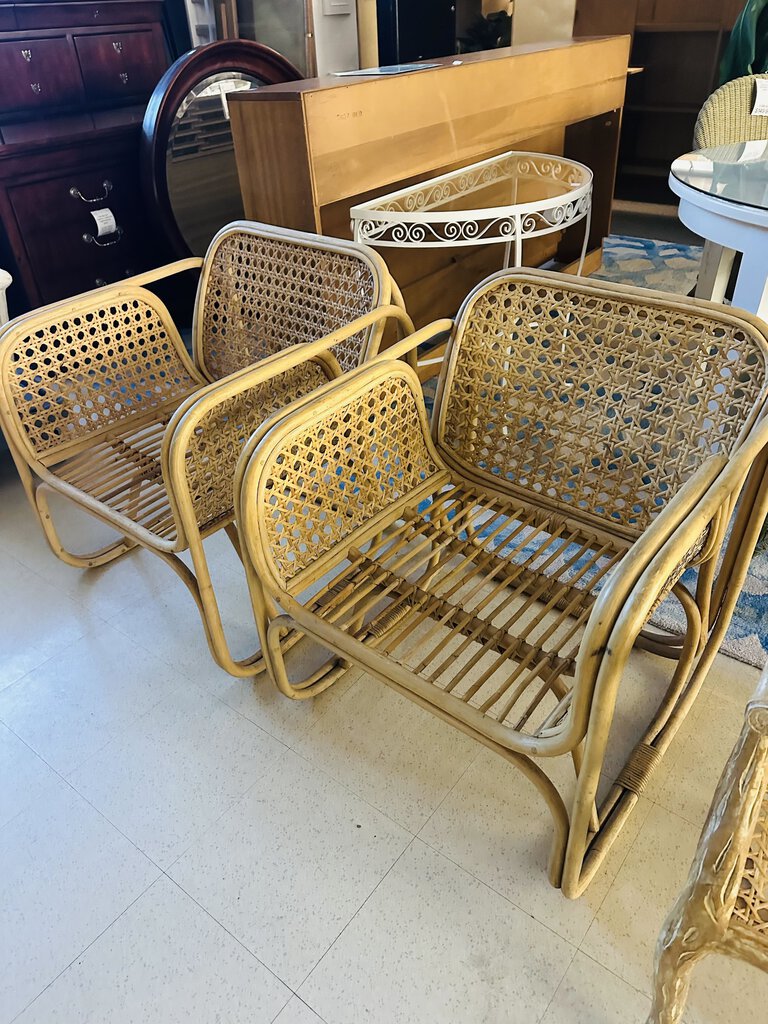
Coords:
74,81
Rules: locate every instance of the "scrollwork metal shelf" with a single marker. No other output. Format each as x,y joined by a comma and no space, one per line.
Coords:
467,206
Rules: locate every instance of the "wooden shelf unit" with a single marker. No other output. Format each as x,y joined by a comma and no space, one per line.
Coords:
679,44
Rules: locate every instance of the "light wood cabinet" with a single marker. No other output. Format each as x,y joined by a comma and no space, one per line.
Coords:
308,151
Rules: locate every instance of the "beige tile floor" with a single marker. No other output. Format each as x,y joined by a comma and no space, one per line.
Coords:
179,846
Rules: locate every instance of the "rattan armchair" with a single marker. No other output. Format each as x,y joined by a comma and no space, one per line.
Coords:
588,444
100,401
724,905
726,117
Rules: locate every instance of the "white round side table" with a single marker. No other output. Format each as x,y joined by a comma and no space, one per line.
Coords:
723,193
505,199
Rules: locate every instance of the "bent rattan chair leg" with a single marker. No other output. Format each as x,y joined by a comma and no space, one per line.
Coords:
207,605
89,560
323,677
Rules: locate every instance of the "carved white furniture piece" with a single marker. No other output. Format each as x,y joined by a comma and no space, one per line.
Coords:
507,198
723,907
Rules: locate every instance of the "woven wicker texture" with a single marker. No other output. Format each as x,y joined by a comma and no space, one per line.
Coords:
265,294
76,376
723,907
219,436
600,403
727,115
124,473
497,620
340,471
751,907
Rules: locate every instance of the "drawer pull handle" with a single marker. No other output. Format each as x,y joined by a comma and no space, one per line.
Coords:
124,77
27,55
96,13
89,239
117,46
35,87
77,194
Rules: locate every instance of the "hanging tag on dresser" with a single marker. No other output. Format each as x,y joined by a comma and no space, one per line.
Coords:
105,222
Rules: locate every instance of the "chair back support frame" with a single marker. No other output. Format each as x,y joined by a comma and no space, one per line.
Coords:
672,395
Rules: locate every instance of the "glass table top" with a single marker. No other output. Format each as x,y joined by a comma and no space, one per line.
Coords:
737,172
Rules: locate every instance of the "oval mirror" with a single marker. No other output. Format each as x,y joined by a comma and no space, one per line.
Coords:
188,160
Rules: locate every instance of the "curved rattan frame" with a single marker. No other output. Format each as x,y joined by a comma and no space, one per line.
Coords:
723,907
100,401
377,549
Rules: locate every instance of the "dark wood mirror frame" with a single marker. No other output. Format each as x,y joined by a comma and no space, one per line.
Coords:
189,70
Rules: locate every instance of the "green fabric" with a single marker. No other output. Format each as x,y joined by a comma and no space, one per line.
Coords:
747,49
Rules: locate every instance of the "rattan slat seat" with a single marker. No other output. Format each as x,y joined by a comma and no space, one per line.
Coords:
588,446
100,401
723,907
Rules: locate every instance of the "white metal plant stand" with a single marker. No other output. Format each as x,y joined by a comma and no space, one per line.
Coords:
507,198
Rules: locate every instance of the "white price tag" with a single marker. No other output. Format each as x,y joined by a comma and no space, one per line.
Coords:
105,222
760,109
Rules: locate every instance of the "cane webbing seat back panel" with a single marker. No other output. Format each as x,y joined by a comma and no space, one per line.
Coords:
263,290
600,403
213,446
340,472
82,368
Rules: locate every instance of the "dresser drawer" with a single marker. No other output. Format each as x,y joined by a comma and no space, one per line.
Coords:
7,18
116,12
120,64
61,236
38,73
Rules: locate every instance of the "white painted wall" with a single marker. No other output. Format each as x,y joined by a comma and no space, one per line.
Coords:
335,39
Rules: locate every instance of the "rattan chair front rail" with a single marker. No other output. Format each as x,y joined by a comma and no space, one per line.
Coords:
100,402
723,907
588,447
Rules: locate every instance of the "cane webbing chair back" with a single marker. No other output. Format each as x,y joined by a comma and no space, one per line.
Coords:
723,907
264,289
331,475
210,431
727,117
76,370
599,402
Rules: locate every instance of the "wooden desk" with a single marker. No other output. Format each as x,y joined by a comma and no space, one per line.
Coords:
307,151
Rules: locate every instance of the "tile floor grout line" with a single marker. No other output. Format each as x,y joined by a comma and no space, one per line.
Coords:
239,941
397,859
84,950
493,889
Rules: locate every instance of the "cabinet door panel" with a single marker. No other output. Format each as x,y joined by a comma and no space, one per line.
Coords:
119,65
38,73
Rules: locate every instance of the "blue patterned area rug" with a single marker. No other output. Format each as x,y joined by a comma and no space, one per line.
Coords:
671,267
